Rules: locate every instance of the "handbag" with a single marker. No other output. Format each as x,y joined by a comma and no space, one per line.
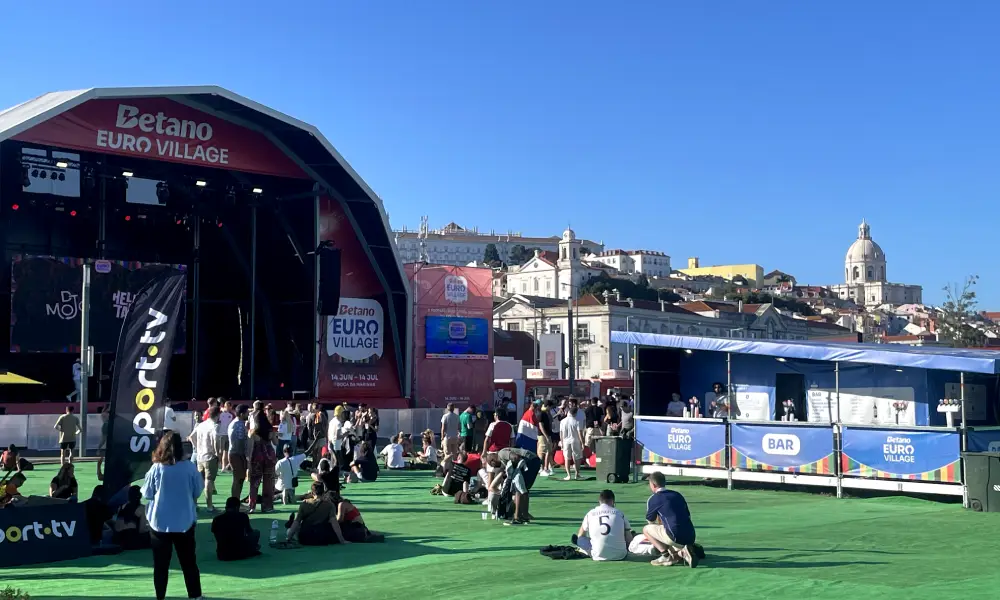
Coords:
295,480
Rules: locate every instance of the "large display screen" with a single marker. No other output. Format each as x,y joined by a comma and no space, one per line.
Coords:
45,304
458,337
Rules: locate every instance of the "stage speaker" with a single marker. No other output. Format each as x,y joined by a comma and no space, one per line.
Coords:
329,280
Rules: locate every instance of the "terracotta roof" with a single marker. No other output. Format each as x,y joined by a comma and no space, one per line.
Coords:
909,338
751,309
826,325
992,316
549,257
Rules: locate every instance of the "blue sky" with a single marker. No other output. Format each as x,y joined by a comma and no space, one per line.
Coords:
733,131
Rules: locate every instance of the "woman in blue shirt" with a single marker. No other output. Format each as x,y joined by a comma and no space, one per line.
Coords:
172,487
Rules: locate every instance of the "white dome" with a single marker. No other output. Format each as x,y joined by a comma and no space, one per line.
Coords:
569,234
865,251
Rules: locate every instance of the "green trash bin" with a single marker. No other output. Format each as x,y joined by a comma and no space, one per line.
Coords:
614,459
982,478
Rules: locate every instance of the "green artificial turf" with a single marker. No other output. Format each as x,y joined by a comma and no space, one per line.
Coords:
760,544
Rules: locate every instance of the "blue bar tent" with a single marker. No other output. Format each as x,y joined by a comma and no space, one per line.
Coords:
690,365
867,416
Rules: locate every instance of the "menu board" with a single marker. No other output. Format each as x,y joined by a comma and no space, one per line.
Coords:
861,406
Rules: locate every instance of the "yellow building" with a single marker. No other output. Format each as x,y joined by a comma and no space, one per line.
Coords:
754,274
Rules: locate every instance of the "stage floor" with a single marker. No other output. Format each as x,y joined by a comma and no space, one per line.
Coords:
760,544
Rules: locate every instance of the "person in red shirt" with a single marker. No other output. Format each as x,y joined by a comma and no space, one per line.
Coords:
499,433
474,462
211,402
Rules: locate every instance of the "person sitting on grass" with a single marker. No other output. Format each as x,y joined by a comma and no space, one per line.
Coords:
352,524
315,523
10,490
235,539
429,454
328,474
130,527
284,475
605,533
365,467
393,454
670,528
11,461
64,485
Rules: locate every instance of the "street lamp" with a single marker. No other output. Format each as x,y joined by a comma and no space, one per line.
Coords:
571,375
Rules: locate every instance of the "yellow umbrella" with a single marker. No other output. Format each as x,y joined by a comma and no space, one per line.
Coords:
13,378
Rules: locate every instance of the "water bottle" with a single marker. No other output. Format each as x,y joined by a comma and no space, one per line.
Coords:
274,532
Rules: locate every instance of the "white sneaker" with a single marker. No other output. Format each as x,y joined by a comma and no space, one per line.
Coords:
567,478
663,561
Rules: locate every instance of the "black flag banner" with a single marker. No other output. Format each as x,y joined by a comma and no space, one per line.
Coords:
140,378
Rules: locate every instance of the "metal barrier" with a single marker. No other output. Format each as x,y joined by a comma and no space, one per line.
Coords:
36,432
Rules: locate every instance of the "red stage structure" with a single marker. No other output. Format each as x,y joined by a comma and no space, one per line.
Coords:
235,193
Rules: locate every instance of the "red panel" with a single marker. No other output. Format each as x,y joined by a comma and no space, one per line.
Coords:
161,129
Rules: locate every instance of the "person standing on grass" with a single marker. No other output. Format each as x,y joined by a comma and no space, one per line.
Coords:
172,487
670,528
467,421
570,430
546,448
262,461
205,439
449,430
68,427
226,418
239,450
499,433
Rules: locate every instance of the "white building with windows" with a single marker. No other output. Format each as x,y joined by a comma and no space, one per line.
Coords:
553,274
456,245
634,262
596,317
865,280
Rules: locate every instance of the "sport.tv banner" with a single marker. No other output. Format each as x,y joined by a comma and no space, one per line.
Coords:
46,301
901,454
697,443
784,448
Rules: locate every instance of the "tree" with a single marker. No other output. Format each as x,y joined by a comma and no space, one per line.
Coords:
491,256
584,251
643,281
520,255
958,314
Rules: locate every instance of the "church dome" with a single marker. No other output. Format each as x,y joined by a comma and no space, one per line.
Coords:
864,249
569,234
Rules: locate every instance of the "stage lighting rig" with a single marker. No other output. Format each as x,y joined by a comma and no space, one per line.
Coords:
89,179
127,173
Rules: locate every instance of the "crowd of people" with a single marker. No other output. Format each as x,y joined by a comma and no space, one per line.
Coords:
265,449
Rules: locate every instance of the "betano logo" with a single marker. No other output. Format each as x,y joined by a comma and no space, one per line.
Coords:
784,444
146,373
37,531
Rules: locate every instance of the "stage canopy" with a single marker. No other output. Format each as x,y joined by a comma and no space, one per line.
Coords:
301,142
942,359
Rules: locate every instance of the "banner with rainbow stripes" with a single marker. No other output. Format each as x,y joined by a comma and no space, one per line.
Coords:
787,448
901,454
683,442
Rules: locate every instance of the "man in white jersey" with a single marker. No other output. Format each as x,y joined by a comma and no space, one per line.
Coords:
605,533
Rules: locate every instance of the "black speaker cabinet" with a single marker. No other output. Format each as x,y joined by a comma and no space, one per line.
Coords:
329,281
